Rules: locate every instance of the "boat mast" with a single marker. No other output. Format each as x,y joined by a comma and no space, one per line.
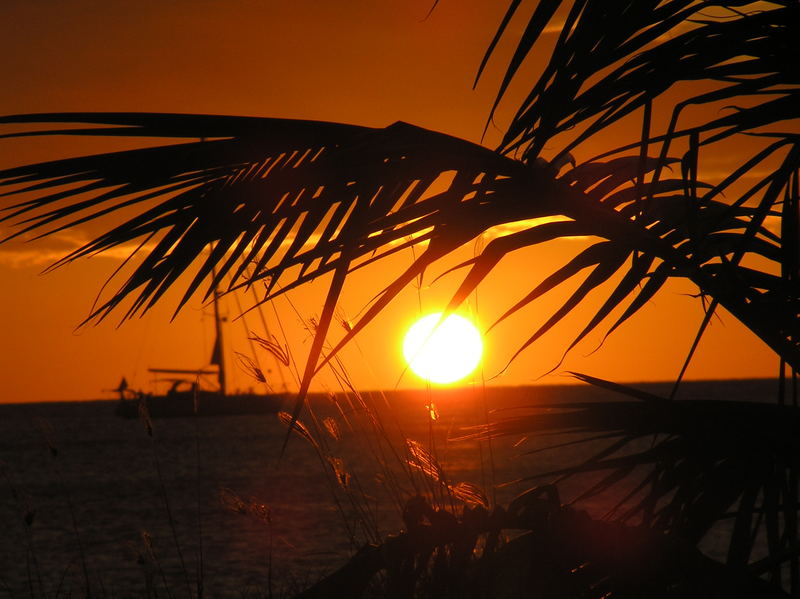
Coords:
219,352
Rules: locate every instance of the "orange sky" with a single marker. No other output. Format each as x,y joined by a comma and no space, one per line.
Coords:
370,63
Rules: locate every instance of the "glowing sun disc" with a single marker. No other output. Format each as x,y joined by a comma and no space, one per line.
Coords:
442,354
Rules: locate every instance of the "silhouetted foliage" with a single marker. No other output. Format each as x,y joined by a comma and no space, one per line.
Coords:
281,202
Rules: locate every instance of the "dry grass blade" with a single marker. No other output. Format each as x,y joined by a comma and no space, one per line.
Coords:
300,429
469,494
249,507
274,347
250,367
340,471
421,459
332,427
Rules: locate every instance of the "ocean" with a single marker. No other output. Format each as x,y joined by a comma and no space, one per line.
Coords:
87,495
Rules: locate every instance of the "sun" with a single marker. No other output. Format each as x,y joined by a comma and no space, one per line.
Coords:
443,354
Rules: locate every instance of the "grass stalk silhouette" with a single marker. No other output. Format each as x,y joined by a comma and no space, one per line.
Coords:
200,572
34,577
46,432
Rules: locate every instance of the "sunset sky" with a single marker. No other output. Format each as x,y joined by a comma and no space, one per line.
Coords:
367,63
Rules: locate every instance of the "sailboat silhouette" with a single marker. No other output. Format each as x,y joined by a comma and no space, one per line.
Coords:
187,397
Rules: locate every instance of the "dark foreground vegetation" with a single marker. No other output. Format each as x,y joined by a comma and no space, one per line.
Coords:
341,196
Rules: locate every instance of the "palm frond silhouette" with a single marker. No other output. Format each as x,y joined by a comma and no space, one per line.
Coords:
283,201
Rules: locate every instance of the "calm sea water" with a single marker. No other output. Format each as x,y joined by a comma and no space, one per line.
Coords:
79,486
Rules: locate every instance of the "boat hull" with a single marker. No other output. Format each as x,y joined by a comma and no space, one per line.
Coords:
182,405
